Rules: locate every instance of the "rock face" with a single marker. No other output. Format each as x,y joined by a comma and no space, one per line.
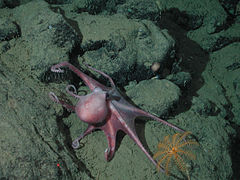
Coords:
162,93
196,48
46,35
117,45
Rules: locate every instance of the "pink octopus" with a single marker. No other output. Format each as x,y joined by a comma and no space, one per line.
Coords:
106,109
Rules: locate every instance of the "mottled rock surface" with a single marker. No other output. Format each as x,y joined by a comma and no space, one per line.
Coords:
196,45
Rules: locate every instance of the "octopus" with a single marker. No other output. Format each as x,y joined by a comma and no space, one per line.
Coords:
105,109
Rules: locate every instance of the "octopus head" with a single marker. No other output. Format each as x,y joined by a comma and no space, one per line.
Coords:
93,108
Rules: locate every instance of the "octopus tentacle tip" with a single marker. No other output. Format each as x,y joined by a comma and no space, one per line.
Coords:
58,70
71,86
53,97
75,144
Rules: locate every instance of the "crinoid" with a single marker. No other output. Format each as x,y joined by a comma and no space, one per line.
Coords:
175,149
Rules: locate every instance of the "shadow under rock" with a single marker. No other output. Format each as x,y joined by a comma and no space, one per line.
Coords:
235,154
190,56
